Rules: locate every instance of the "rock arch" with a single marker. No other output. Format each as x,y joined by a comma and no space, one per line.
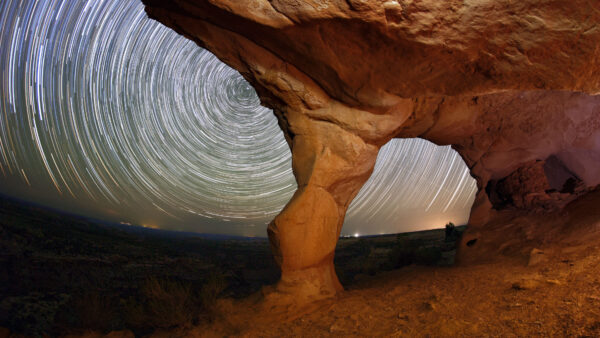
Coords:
509,84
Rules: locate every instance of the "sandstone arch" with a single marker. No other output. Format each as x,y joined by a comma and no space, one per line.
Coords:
507,83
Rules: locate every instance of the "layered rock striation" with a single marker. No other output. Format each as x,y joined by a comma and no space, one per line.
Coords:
511,85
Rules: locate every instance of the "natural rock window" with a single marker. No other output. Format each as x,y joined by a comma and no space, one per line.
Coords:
415,185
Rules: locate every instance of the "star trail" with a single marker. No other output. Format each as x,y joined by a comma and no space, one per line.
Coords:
107,113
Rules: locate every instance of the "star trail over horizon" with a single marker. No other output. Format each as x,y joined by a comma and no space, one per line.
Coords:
109,114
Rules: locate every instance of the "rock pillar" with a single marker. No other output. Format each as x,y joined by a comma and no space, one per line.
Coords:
330,165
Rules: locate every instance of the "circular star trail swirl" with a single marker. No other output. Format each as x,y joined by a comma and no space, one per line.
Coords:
105,108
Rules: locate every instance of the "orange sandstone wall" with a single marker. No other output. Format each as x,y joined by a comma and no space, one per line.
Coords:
510,84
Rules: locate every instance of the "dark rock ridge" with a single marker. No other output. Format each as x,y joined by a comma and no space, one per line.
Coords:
510,85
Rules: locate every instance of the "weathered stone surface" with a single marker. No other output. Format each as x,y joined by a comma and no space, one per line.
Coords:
536,186
505,82
330,165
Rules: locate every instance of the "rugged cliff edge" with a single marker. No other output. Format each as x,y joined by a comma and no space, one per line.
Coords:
510,84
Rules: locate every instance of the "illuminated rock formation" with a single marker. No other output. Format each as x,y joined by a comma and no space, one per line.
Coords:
507,83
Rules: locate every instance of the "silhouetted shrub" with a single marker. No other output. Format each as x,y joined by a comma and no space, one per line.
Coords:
428,256
400,256
407,252
95,310
451,233
210,291
162,303
33,314
370,266
403,252
363,247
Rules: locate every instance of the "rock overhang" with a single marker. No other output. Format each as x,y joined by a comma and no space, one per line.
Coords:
504,82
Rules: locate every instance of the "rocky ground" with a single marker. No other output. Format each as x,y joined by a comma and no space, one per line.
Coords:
398,285
535,275
556,293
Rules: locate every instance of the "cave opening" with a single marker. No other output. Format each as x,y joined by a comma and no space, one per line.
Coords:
413,209
536,185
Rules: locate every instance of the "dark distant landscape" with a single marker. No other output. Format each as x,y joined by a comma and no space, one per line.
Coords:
65,273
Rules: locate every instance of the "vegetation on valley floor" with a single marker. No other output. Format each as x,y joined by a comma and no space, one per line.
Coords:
61,273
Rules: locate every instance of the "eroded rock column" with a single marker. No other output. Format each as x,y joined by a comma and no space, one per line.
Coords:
330,165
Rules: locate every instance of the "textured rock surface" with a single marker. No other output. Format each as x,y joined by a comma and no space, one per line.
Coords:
505,82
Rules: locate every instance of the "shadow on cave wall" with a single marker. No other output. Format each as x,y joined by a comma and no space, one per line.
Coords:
539,186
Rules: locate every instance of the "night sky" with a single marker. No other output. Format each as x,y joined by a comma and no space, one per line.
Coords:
109,114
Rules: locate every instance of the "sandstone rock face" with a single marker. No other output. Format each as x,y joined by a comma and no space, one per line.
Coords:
536,186
508,83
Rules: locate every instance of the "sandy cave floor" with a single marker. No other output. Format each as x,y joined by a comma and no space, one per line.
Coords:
559,296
